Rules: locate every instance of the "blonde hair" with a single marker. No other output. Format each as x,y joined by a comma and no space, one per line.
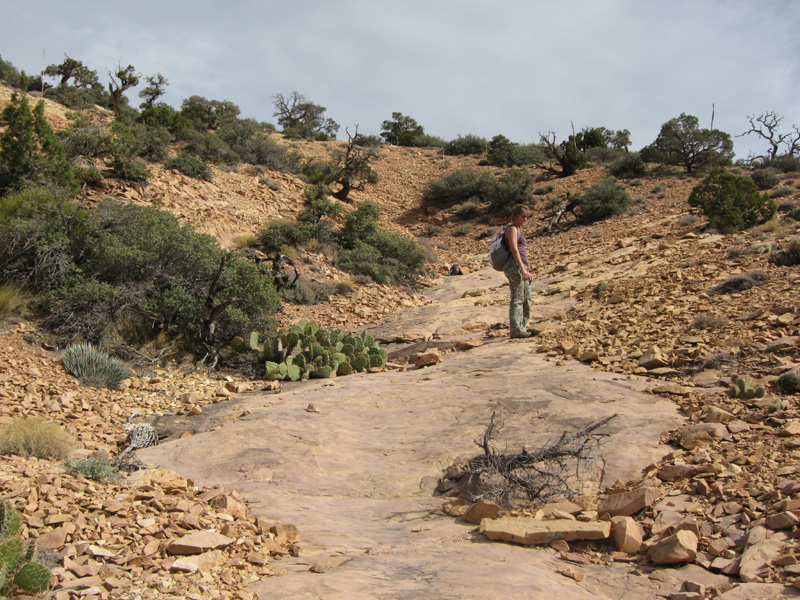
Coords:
520,209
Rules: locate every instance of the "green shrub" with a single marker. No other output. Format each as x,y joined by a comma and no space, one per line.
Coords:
784,163
628,166
308,292
543,190
85,138
164,116
95,468
512,188
731,202
36,231
317,204
12,301
502,152
765,178
208,147
466,211
189,165
136,140
466,145
782,191
94,367
134,170
360,223
602,201
462,230
458,187
30,153
35,436
285,233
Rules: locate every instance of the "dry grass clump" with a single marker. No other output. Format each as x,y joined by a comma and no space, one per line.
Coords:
707,322
719,361
35,436
739,282
12,301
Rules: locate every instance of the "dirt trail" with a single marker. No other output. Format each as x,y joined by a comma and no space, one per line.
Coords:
357,477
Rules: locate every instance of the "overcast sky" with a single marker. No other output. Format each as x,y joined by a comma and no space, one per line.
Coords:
486,67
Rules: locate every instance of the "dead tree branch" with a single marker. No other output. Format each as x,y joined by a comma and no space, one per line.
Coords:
552,471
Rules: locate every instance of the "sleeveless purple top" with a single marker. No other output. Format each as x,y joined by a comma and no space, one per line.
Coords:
522,246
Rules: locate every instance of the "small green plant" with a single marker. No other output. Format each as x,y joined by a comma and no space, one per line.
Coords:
94,367
19,568
486,233
190,165
744,387
776,406
12,301
34,436
635,183
462,230
94,468
731,202
458,187
600,288
273,185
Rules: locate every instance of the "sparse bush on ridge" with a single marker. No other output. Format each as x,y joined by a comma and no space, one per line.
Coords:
466,145
458,187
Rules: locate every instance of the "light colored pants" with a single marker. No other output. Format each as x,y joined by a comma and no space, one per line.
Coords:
520,308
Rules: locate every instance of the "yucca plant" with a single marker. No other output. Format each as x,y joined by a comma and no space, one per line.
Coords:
94,367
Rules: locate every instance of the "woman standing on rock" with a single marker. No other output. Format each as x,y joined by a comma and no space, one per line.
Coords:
516,270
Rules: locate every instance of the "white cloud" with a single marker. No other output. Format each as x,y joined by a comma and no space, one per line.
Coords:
514,67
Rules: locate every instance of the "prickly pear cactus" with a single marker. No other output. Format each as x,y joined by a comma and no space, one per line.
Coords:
746,388
18,569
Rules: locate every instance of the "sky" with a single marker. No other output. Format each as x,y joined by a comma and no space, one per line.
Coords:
519,68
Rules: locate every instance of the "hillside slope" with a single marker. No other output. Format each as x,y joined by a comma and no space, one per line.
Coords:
635,292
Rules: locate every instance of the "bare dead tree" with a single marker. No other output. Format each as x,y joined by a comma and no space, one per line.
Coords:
766,125
567,158
550,472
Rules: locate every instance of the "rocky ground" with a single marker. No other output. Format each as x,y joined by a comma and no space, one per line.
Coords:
636,298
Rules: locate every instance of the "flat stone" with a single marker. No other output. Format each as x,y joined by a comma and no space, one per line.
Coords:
199,542
528,531
628,503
